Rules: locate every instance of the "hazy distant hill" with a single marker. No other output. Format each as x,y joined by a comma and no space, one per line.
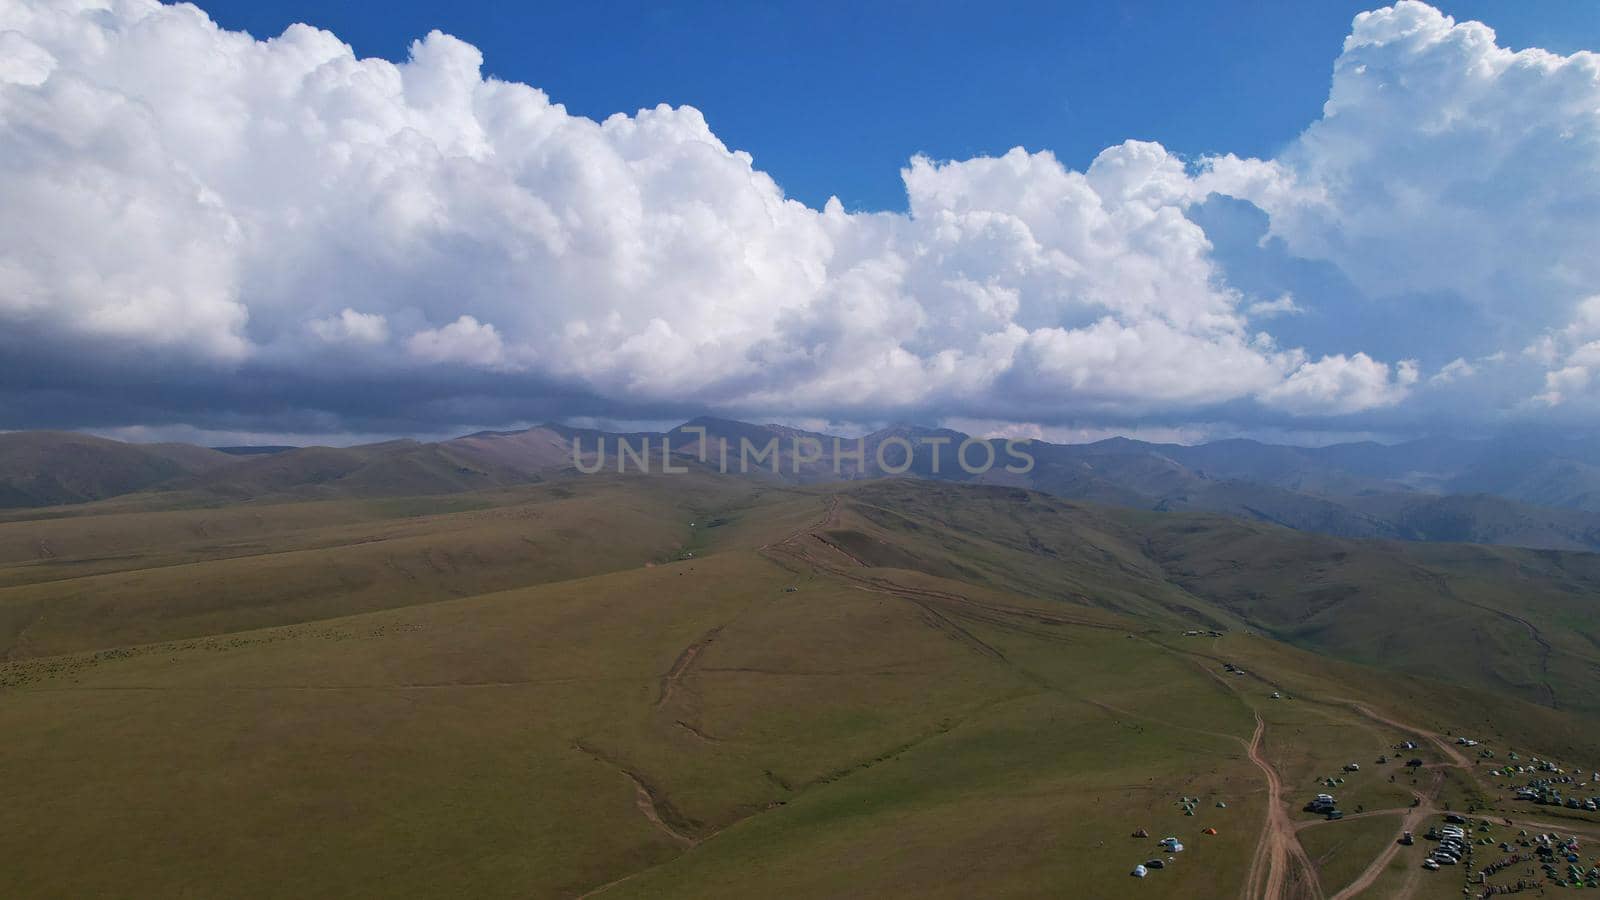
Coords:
253,450
533,450
1520,490
1551,481
391,469
46,468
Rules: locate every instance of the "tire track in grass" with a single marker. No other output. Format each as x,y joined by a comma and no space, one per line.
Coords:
681,665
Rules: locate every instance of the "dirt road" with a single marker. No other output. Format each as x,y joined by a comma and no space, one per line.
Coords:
1410,821
1278,851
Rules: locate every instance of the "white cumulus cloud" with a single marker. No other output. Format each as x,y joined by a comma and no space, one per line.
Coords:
1444,162
1343,384
218,202
466,341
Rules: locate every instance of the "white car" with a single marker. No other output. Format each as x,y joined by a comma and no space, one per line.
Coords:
1430,865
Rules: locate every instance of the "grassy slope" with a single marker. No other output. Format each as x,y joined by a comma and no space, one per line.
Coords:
1019,541
1522,622
1518,622
99,582
493,732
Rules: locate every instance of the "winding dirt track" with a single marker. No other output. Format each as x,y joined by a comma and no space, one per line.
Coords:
1262,863
1458,759
1278,851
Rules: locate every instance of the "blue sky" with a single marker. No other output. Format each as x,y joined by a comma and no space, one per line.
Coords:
1164,219
832,99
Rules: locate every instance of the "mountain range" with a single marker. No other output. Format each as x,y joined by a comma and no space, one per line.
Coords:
1524,490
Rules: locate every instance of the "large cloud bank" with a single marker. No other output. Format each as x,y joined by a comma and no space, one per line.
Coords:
199,225
1446,164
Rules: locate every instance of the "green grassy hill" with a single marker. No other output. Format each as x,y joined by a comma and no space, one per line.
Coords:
1522,622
